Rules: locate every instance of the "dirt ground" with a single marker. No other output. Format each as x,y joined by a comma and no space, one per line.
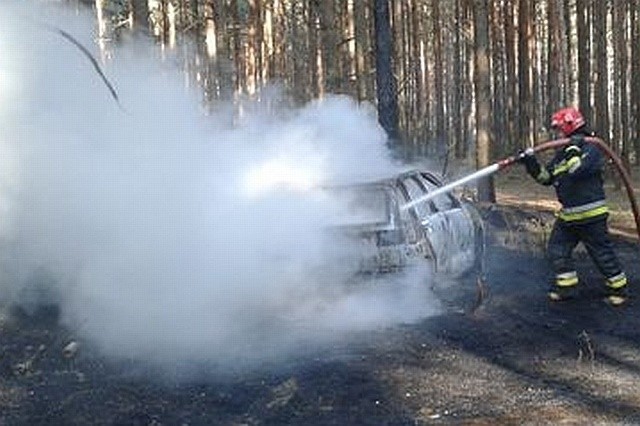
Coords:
498,354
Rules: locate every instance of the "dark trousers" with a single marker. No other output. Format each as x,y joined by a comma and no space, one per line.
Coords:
565,236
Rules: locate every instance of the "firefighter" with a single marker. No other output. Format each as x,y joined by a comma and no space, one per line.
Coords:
575,171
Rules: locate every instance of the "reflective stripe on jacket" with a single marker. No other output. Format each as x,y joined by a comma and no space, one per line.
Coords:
578,183
585,211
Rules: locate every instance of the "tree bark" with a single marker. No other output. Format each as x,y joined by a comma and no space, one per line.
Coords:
635,79
584,58
363,50
486,190
511,90
438,73
329,45
601,106
556,68
457,84
385,79
525,99
497,72
621,101
140,16
316,69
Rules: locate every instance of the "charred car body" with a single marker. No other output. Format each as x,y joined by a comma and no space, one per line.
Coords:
395,228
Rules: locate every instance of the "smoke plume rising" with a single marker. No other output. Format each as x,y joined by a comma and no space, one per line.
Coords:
172,236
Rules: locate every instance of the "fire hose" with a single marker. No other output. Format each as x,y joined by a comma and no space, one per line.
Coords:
503,164
624,174
507,162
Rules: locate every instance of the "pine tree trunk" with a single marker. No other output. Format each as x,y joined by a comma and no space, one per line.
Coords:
329,45
584,58
601,123
315,52
385,79
458,123
635,78
437,73
486,190
621,100
555,59
525,101
511,103
140,16
363,47
498,77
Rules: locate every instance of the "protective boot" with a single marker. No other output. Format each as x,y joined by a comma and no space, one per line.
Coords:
560,294
617,293
564,287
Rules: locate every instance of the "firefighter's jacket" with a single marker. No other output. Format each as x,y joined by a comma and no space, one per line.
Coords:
575,171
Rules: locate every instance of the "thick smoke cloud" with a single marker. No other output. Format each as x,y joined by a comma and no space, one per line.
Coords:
172,236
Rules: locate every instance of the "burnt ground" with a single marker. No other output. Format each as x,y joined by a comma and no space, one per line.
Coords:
499,354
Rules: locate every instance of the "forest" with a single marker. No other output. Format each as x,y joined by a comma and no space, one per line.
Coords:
170,261
465,80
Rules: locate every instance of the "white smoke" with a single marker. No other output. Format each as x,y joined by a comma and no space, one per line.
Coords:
171,236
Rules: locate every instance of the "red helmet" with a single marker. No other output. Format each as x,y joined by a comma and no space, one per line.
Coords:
567,120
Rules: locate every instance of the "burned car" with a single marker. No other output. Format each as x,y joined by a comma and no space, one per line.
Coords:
396,227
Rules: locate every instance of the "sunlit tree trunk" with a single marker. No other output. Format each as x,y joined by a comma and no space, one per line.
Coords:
252,47
418,72
211,84
102,22
267,43
211,29
555,59
486,190
570,54
539,97
584,57
315,51
222,53
438,74
363,50
348,44
498,76
457,83
525,65
468,106
426,118
600,74
280,40
621,100
511,79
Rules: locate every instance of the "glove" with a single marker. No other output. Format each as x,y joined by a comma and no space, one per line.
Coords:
528,158
524,155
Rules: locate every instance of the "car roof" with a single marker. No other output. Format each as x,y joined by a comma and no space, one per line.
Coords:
393,181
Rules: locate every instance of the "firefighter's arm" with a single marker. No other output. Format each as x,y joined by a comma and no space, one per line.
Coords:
532,165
